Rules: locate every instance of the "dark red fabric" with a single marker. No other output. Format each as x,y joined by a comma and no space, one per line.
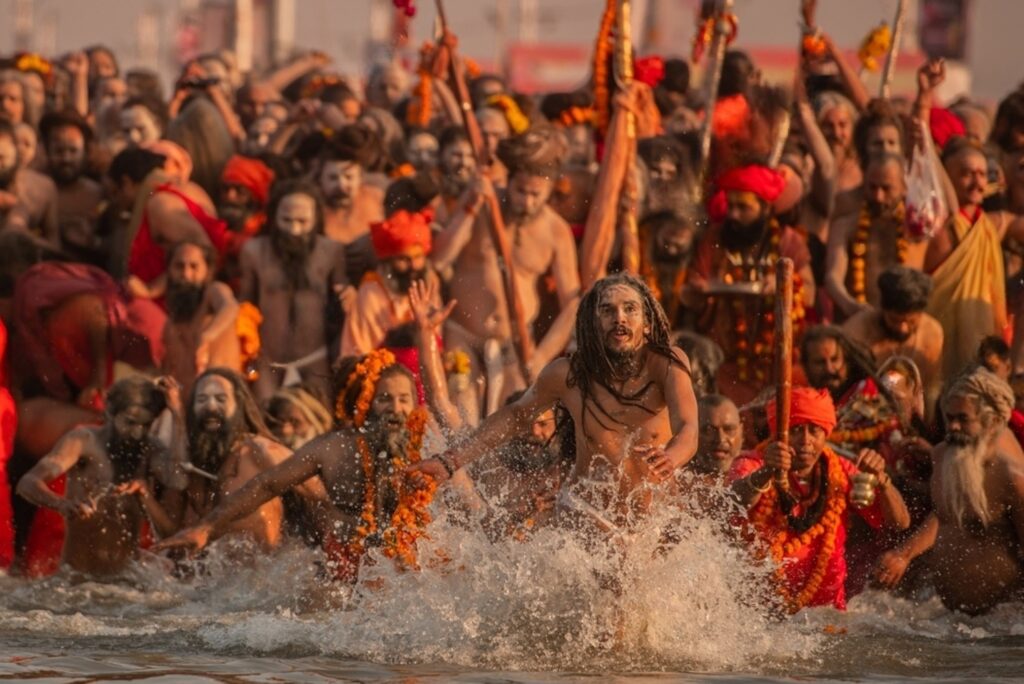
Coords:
45,541
147,260
8,427
944,125
136,325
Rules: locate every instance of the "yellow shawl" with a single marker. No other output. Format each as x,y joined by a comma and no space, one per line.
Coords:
969,296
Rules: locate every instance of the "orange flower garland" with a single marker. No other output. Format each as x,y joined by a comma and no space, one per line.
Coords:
865,435
755,360
813,46
859,250
706,33
576,116
411,515
517,121
768,518
369,370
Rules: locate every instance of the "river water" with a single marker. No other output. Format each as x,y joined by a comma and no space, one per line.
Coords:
548,610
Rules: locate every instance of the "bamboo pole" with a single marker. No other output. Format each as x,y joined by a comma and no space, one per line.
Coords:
894,50
712,78
629,233
783,357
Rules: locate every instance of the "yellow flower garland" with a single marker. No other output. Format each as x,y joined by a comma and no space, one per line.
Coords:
859,250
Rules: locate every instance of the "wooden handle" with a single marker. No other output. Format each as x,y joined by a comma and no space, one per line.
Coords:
783,356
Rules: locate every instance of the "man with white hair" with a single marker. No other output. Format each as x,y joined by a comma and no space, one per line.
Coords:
977,488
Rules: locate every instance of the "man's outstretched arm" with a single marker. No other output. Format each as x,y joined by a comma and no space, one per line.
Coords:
511,420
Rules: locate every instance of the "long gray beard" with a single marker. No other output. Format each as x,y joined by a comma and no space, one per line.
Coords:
963,481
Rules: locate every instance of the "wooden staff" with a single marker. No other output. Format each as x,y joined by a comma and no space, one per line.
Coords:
894,49
517,319
624,77
712,78
783,357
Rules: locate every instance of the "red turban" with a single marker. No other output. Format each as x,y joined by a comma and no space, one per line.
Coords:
765,182
807,405
251,174
401,231
944,125
649,70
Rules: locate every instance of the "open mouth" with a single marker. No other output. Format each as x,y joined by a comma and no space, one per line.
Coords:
619,335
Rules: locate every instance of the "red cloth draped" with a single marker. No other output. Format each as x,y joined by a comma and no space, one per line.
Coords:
148,260
401,231
8,426
763,181
250,173
57,346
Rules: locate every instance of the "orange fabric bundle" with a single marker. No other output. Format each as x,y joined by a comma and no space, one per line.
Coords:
763,181
807,405
251,174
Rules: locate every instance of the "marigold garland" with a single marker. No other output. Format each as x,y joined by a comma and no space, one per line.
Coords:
859,250
411,515
813,46
420,104
706,33
875,46
367,371
768,519
517,121
866,434
577,116
247,328
755,360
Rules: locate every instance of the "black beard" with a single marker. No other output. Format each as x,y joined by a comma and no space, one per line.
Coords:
209,449
293,251
401,281
184,300
65,174
126,455
451,184
235,215
338,200
385,436
663,258
738,237
7,177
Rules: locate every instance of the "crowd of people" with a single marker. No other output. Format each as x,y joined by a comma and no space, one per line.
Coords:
297,304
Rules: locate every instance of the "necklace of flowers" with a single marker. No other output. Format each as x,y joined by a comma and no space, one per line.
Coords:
859,250
756,359
768,518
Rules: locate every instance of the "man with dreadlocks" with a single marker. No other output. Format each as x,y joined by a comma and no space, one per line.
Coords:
629,394
104,464
380,431
229,445
976,534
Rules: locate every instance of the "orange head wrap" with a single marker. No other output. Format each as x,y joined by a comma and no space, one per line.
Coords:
763,181
401,231
251,174
807,405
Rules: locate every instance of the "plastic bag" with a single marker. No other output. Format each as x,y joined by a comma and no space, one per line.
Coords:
926,208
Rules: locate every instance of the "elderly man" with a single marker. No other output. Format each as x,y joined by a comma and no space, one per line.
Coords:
104,464
732,259
402,245
975,534
201,314
291,273
363,495
900,327
296,417
806,520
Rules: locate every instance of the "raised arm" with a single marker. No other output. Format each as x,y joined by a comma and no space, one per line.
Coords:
451,240
836,264
823,181
565,269
428,322
854,87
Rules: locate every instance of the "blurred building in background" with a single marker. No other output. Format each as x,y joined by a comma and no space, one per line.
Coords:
539,44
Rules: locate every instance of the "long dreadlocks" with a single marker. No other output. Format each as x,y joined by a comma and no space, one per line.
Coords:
591,363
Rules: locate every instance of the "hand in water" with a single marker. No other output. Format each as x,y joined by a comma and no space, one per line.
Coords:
191,539
892,565
659,463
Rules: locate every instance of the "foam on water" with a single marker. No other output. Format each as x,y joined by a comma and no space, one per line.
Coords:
547,604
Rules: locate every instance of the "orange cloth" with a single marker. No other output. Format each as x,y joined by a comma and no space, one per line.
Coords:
763,181
401,231
807,405
251,174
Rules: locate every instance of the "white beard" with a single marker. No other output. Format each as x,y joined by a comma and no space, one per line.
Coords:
963,481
